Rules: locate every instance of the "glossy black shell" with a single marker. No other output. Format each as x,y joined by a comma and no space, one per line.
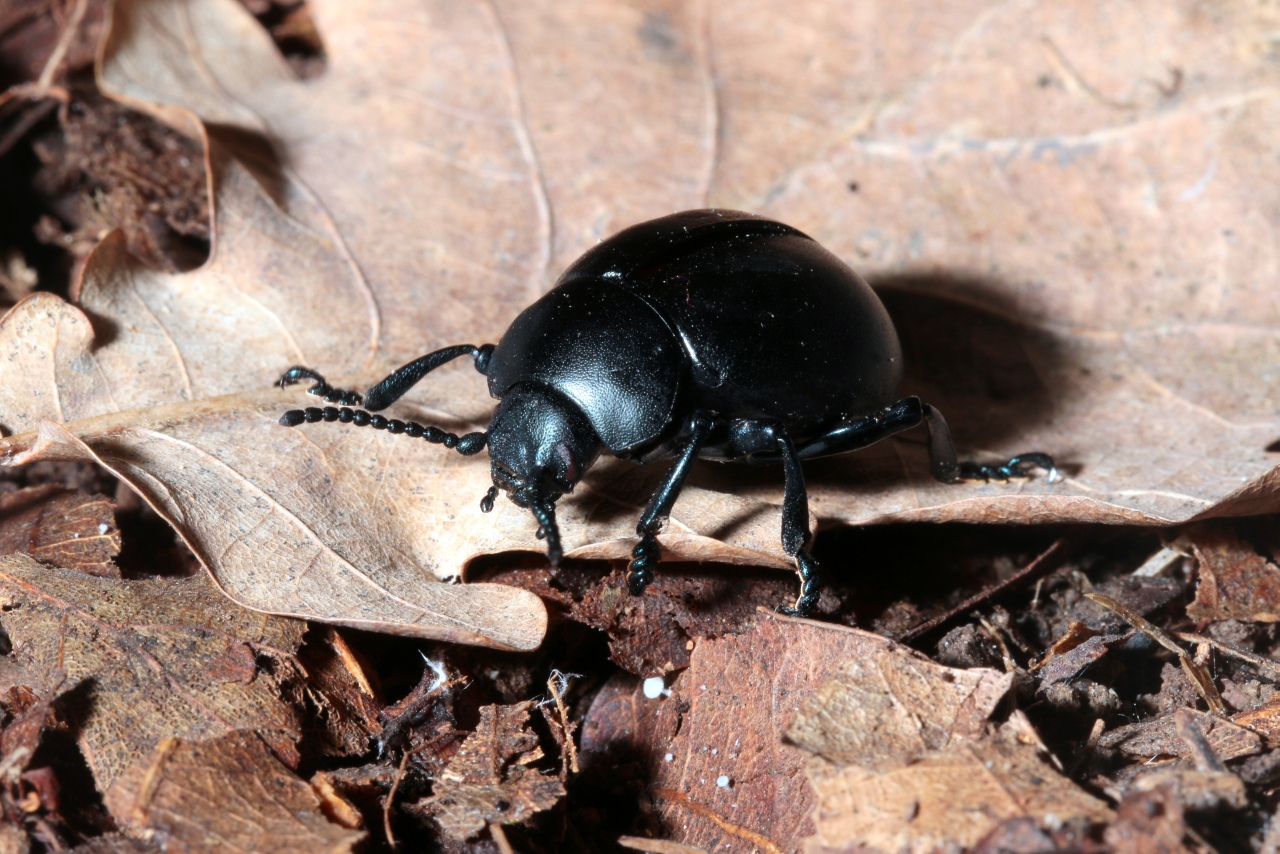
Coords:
715,310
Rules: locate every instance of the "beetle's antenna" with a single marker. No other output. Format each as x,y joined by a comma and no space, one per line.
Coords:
471,443
545,513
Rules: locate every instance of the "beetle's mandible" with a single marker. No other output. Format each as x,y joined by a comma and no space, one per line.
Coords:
708,333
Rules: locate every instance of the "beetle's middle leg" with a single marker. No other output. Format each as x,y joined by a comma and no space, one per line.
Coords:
644,557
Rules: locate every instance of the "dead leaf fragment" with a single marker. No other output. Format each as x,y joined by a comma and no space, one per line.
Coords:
715,751
491,778
951,797
1196,790
136,657
1236,583
61,528
228,793
889,707
1228,739
1148,822
246,494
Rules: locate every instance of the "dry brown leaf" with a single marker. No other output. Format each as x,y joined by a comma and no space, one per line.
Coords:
1236,583
1229,739
885,709
1150,822
949,798
226,794
715,752
1060,201
116,843
146,660
491,780
62,528
27,714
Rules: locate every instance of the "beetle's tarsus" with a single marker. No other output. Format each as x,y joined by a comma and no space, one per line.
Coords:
321,387
297,374
1017,468
545,513
810,587
644,557
486,503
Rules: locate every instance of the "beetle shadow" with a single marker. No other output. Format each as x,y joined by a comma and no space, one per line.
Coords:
968,351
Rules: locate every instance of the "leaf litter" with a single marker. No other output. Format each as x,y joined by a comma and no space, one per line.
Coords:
1052,255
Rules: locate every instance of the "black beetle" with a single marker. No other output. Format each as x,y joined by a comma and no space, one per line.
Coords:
708,333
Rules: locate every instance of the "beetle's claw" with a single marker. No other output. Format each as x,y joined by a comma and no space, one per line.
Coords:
297,374
545,513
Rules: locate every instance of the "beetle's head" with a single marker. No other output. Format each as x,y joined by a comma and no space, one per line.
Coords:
540,445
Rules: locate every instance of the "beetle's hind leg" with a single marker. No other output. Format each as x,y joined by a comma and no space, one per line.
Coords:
942,458
645,556
905,414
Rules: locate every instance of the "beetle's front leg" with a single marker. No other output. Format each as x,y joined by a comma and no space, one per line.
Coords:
644,557
321,387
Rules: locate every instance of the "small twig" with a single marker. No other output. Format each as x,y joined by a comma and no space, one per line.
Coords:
32,116
688,803
1227,649
1188,729
1074,79
54,61
500,838
1196,672
391,796
557,683
658,846
1010,666
1046,562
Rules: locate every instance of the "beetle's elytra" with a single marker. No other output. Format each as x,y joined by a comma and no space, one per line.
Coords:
707,333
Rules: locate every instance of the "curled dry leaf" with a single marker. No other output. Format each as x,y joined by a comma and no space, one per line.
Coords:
1068,230
226,794
1235,582
138,657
